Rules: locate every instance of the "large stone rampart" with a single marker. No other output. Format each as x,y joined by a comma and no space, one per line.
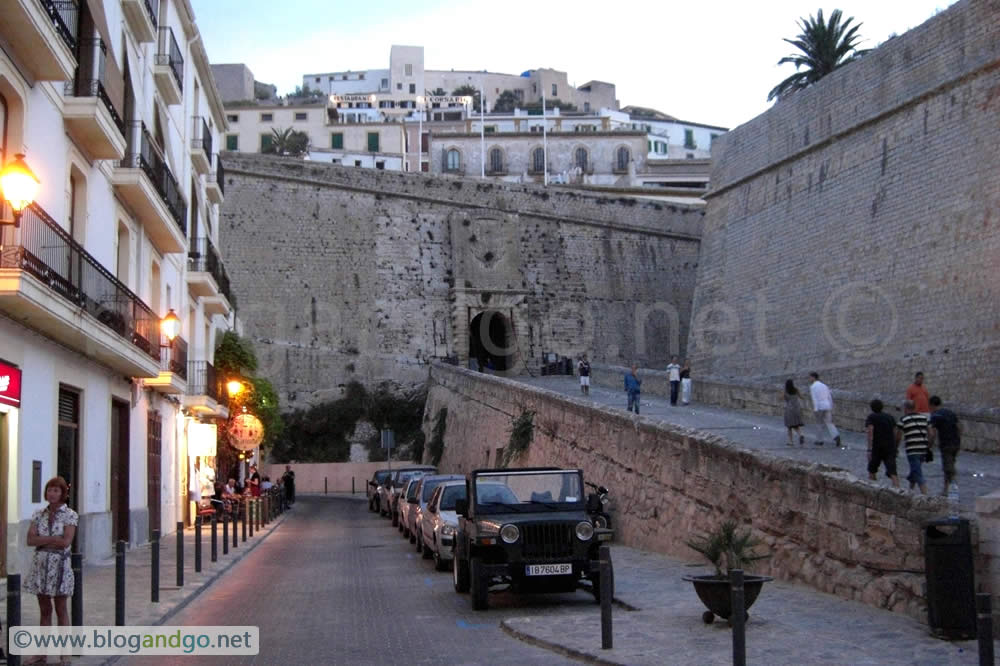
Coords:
363,274
822,526
853,228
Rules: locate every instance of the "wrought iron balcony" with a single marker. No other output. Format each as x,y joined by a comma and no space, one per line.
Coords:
141,17
169,66
144,154
174,357
65,16
44,250
90,77
201,145
215,184
204,258
204,381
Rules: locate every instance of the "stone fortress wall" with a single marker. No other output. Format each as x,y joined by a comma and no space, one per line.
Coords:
669,484
854,229
363,274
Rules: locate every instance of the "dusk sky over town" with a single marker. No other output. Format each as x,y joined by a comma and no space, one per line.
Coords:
708,62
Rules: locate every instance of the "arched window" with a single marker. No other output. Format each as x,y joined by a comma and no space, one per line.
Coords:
621,159
538,160
496,160
581,159
452,160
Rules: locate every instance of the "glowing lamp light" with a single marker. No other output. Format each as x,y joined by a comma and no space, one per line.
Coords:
170,325
234,387
19,186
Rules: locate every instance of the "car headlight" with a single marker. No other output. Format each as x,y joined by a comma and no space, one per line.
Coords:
584,531
447,530
510,533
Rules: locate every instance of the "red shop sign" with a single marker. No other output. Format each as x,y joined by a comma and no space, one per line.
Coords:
10,385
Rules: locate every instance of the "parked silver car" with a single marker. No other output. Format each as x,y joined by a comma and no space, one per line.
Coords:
419,504
440,522
397,483
405,505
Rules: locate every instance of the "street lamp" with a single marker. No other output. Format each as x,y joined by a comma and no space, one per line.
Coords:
19,187
170,326
234,387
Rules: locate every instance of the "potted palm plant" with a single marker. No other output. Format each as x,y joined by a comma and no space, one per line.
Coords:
726,548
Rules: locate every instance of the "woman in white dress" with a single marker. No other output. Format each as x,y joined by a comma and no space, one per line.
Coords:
51,577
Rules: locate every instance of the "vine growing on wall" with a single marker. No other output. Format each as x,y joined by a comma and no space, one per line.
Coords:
522,430
437,436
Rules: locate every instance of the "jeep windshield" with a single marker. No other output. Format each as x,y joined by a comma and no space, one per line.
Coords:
497,492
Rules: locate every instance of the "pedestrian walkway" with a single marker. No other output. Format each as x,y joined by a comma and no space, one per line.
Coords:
789,624
978,473
99,582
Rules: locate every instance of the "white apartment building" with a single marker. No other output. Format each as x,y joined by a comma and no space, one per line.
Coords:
114,107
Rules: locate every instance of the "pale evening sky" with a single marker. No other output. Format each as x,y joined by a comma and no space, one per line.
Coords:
711,62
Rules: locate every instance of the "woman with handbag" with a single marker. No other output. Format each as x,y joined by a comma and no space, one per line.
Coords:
51,576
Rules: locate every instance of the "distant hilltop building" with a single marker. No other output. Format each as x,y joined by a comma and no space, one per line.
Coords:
406,118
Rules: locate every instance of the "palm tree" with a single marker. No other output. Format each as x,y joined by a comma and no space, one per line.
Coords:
824,47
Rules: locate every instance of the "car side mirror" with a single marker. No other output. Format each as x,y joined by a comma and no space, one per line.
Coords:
593,503
462,507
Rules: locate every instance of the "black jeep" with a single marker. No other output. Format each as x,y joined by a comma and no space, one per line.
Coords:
527,527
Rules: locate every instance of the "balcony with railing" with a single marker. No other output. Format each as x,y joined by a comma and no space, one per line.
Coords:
141,18
168,69
145,183
207,279
42,34
53,285
215,183
91,117
201,145
204,390
173,367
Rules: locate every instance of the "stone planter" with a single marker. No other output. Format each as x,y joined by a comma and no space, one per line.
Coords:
715,592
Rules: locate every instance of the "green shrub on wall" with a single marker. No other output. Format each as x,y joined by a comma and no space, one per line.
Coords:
437,436
522,429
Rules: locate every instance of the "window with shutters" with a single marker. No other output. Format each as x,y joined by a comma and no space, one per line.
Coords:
496,161
581,159
337,140
232,142
154,430
622,159
452,160
68,448
373,142
538,160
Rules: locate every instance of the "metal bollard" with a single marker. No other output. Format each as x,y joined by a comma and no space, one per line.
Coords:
225,534
737,618
984,618
13,611
215,539
197,544
120,584
266,499
259,504
324,485
250,506
180,554
607,592
154,570
352,485
76,605
246,507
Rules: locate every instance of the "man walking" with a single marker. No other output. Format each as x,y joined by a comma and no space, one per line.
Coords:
674,371
822,400
947,431
632,384
288,480
883,439
917,392
914,427
584,370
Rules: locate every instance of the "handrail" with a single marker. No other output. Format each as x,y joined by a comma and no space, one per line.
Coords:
218,173
90,77
203,380
202,136
64,16
205,258
152,8
174,357
169,53
43,248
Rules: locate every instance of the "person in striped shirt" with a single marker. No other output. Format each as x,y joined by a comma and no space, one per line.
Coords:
914,427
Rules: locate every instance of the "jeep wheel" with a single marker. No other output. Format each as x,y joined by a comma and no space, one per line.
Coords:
428,553
460,575
479,585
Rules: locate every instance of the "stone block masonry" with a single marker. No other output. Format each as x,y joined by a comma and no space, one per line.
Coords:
854,228
364,274
820,525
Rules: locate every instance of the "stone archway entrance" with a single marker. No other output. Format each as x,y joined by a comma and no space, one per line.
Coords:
491,340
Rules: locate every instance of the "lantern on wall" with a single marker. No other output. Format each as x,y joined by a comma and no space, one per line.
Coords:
246,432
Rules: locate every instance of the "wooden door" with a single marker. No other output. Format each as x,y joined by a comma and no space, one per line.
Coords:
154,428
119,485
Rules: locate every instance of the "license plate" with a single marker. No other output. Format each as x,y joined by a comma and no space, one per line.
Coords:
548,569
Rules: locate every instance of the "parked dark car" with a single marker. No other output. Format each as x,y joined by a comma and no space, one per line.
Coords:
371,490
526,527
395,485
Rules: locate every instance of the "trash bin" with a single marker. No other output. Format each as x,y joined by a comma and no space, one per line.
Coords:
951,598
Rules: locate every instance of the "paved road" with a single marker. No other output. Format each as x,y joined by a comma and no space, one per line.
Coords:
978,473
339,585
